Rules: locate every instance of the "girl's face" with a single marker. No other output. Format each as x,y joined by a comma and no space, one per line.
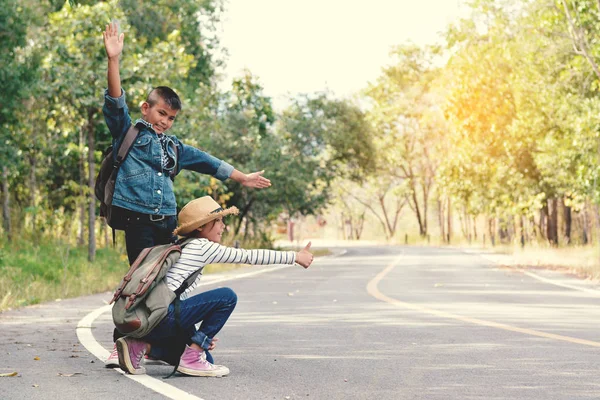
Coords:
213,230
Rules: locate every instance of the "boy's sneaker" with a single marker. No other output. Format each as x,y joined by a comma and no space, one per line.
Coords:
113,359
193,362
131,355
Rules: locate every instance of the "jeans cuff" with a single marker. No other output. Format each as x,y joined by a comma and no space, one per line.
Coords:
202,340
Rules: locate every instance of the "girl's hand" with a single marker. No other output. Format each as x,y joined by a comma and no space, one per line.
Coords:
213,344
304,257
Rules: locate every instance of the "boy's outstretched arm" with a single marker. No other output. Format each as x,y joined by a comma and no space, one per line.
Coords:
253,180
113,43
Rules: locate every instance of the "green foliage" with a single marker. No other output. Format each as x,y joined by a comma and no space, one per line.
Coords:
33,273
323,139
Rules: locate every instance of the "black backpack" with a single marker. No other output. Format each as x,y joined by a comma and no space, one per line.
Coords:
107,176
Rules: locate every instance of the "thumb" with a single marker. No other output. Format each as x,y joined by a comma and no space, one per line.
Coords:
307,248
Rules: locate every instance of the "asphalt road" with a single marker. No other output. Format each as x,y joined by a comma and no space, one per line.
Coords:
373,323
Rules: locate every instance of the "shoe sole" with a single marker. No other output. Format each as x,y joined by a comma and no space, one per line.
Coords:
149,361
112,364
193,372
124,359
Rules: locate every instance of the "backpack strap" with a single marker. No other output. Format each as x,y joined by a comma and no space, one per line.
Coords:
132,269
173,172
179,332
125,146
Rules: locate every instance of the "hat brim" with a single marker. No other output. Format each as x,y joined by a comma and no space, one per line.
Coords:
188,227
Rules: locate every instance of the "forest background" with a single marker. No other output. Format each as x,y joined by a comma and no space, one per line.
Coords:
490,137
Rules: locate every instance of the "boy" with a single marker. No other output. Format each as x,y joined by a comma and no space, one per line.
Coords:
202,220
144,188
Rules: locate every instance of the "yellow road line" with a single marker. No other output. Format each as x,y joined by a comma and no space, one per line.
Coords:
374,291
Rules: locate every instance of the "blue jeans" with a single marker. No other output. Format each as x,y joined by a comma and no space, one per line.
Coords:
212,308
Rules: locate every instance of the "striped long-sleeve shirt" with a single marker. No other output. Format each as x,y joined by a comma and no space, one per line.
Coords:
199,253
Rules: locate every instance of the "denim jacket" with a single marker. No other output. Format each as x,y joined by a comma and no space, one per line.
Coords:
142,184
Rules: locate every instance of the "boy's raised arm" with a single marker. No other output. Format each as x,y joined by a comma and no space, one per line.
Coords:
113,43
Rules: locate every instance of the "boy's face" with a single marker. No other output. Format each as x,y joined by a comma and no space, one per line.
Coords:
160,115
213,230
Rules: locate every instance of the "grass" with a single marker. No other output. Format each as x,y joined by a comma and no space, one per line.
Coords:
583,261
33,273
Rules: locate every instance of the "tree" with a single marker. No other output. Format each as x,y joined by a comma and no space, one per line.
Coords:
18,68
409,127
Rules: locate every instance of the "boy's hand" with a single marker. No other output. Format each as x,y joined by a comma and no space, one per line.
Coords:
213,344
113,42
304,257
256,180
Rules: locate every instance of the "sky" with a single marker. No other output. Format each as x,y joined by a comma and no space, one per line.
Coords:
306,46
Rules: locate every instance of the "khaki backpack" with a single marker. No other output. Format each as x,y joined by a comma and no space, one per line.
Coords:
142,299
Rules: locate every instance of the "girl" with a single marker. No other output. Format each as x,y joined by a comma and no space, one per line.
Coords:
202,220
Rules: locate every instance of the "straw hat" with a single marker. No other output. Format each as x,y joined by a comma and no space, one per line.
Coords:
199,212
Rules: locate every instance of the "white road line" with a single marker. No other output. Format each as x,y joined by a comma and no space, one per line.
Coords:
552,282
86,338
536,276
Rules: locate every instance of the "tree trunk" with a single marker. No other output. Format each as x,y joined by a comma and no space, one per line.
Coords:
585,224
449,231
106,229
568,223
242,215
350,227
82,184
359,226
246,228
425,210
422,229
534,227
441,219
462,223
543,219
92,199
552,226
82,223
33,188
491,231
522,230
6,204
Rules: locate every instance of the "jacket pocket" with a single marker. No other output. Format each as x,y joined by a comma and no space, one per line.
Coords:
135,187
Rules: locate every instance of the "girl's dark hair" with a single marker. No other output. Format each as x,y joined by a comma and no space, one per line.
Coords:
165,93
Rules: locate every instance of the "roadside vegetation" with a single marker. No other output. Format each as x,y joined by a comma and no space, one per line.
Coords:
35,272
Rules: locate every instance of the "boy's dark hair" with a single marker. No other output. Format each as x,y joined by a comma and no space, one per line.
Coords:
167,94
